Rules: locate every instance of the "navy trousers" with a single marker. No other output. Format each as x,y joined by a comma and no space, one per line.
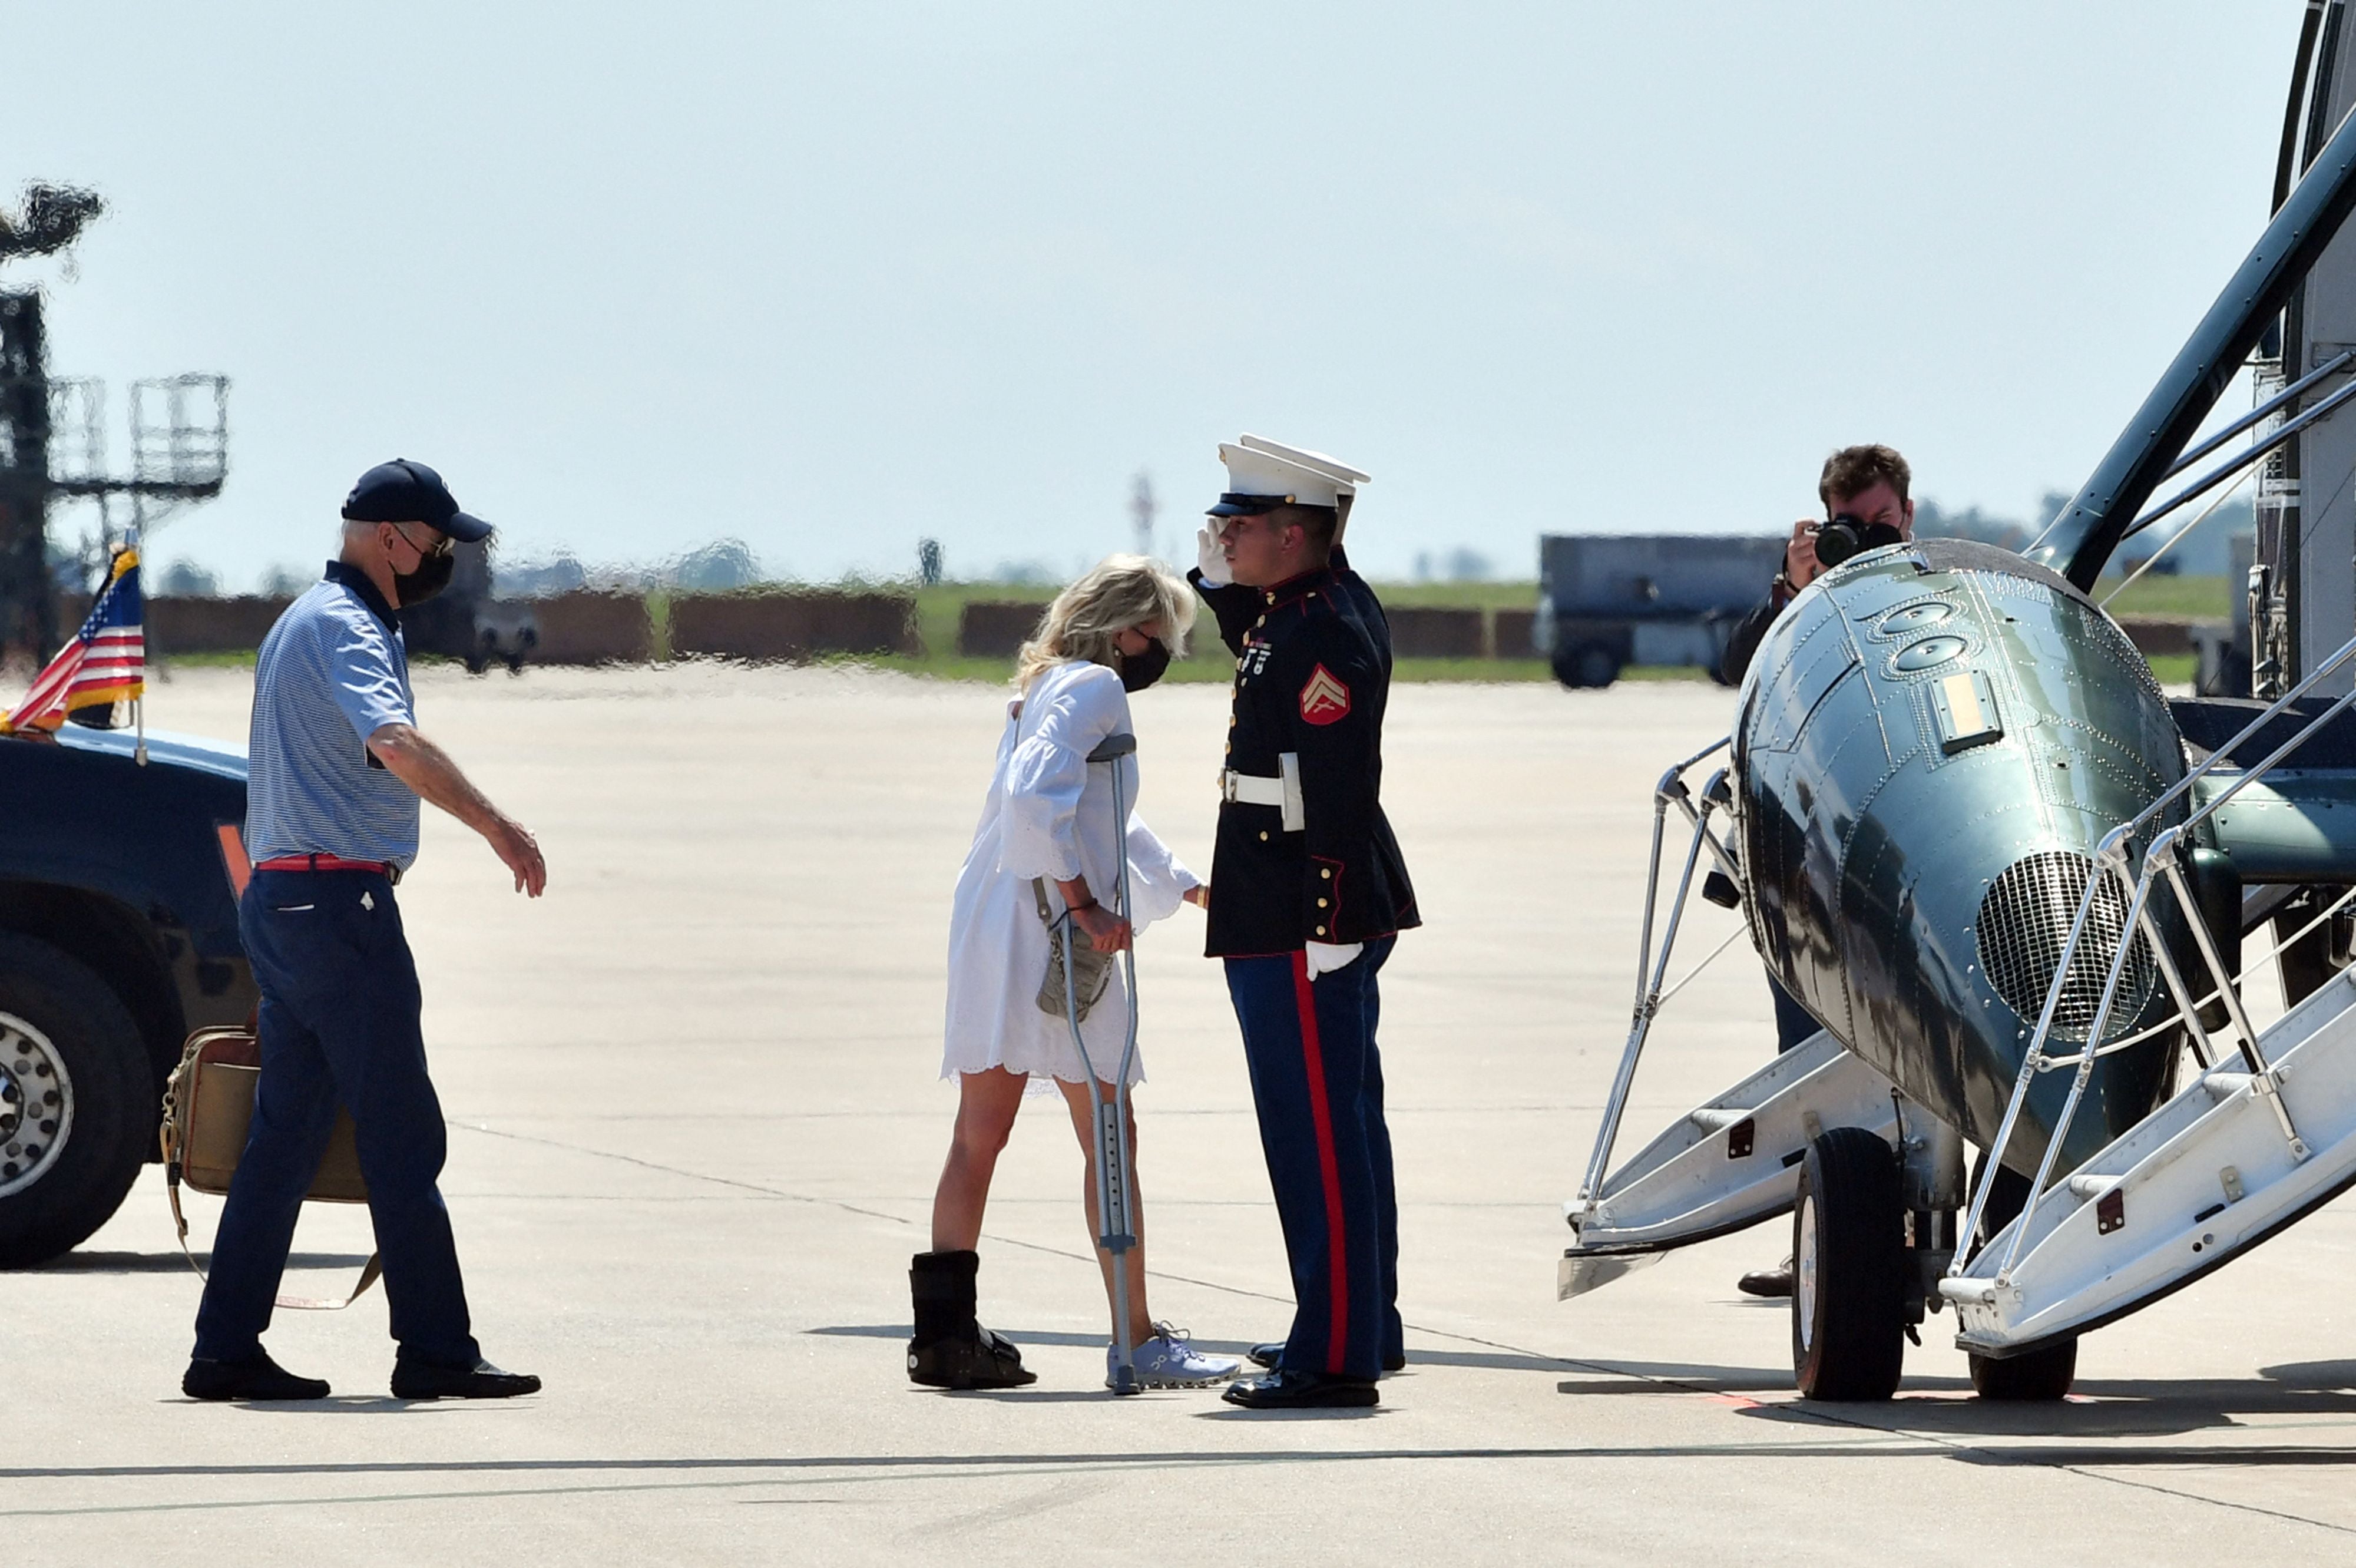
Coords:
1317,1082
339,1025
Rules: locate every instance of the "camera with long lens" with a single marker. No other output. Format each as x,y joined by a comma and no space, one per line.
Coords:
1846,535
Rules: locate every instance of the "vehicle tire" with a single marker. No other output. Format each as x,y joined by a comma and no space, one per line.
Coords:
1589,665
2042,1376
1849,1257
78,1102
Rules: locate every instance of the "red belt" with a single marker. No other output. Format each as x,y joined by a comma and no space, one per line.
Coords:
384,868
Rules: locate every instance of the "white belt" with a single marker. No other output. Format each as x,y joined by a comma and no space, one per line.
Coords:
1282,791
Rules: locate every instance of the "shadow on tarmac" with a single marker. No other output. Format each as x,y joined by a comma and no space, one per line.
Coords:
172,1263
1485,1359
2107,1409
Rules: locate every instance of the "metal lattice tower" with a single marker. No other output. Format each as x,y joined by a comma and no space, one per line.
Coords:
53,431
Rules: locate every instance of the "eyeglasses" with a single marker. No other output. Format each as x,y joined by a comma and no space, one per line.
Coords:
447,544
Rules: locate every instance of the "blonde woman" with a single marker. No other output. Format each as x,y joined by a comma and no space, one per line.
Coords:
1047,845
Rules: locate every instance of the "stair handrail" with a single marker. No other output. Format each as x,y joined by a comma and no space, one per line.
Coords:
2159,860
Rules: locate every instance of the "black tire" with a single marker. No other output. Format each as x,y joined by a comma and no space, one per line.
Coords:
78,1102
2042,1376
1849,1257
1586,665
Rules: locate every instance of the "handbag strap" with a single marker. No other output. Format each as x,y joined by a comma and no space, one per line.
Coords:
370,1272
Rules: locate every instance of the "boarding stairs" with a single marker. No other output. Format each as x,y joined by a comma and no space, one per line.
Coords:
1734,1161
2262,1135
2263,1132
1724,1166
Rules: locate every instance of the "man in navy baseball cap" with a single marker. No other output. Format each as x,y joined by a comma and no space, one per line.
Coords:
404,492
338,768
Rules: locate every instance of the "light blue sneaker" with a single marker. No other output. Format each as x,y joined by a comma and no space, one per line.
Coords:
1168,1361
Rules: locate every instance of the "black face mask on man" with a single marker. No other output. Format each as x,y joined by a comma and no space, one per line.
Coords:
432,576
1139,670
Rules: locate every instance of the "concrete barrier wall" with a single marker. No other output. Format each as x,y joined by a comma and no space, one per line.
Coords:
592,628
996,628
2154,635
1430,632
1509,634
792,625
209,626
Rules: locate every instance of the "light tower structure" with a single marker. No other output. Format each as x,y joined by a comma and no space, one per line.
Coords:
1142,506
53,431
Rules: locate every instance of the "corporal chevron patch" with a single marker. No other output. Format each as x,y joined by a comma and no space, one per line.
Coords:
1324,699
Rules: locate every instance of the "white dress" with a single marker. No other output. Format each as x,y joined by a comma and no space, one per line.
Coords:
1048,814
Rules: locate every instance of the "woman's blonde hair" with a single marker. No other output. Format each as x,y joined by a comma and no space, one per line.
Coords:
1117,592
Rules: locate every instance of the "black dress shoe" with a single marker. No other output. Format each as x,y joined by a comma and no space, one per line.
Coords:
426,1381
1302,1391
256,1378
1268,1356
1773,1284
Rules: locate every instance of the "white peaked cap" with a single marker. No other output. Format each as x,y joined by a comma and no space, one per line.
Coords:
1269,471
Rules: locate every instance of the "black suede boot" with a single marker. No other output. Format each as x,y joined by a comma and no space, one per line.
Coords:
951,1349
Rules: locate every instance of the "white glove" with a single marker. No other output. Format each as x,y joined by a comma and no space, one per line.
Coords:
1209,559
1326,957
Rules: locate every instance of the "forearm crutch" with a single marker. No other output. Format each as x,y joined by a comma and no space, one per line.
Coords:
1111,1153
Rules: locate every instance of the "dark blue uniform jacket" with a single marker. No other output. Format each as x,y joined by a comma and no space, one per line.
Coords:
1312,675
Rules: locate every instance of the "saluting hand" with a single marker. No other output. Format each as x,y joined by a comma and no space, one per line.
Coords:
520,850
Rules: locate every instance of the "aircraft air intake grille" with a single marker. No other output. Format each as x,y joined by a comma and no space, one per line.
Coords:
2023,922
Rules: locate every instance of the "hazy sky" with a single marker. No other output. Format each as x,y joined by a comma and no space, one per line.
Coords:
833,277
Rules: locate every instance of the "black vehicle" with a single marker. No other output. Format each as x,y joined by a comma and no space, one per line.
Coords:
118,937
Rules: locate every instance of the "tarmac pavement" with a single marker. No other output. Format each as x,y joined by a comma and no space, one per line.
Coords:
696,1122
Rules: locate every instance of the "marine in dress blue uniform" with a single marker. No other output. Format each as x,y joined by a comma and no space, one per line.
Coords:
1309,891
331,825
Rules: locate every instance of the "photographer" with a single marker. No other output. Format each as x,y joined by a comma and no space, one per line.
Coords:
1863,489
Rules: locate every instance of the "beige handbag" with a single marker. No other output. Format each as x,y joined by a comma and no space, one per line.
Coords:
209,1106
1091,969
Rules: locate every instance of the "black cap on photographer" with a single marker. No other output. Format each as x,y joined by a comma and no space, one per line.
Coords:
403,491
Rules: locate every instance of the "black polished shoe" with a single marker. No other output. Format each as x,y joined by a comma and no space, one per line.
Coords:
426,1380
1775,1284
1302,1391
1268,1356
256,1378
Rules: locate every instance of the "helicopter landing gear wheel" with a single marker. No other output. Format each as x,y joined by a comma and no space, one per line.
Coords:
2042,1376
2039,1376
1849,1257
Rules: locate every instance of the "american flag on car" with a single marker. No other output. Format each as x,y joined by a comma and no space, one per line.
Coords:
105,661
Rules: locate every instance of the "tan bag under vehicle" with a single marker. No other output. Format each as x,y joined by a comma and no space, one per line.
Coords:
208,1108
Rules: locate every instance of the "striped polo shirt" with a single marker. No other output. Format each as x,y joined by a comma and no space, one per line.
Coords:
333,671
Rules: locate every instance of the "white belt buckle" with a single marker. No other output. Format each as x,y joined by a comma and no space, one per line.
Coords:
1296,816
1282,791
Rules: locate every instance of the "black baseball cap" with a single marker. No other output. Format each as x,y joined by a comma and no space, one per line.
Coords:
403,491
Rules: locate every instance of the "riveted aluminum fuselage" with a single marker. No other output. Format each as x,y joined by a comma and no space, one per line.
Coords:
1915,724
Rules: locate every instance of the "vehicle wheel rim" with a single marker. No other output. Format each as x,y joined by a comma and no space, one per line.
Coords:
37,1104
1803,1273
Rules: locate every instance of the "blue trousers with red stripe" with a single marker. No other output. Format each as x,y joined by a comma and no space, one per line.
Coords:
1317,1082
